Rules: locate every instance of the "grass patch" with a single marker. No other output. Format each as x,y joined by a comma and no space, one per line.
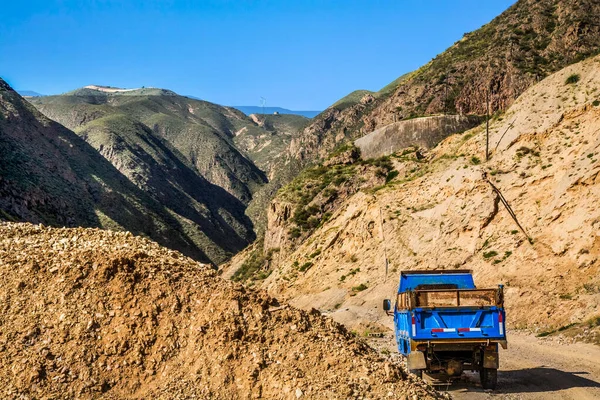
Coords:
572,79
360,288
305,267
490,254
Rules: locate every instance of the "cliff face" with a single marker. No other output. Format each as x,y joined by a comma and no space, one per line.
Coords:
440,212
422,132
526,43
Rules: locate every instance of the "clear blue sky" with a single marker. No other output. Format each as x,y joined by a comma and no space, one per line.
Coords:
302,55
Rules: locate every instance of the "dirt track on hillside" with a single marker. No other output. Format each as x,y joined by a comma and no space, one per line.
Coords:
534,369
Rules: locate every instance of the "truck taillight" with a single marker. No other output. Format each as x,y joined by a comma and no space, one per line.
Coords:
500,323
414,325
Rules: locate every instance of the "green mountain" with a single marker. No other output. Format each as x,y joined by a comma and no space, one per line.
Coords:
116,173
203,133
529,41
272,110
266,146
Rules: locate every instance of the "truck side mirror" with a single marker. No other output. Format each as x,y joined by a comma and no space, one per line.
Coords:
387,305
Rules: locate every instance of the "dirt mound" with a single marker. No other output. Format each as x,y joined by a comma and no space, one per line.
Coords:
92,313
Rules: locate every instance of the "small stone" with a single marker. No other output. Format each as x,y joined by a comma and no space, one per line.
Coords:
299,393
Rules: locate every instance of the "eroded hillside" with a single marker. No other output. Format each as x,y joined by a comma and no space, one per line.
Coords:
439,211
526,43
88,313
123,177
200,131
266,146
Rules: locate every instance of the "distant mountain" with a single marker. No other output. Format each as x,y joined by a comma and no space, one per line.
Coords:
270,110
266,146
146,132
29,93
113,173
200,131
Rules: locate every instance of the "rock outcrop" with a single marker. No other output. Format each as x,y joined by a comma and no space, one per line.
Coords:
421,132
440,212
499,61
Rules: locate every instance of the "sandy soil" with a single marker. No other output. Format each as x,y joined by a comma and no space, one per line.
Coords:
531,369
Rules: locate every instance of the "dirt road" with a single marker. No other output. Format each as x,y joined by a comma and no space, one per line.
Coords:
535,369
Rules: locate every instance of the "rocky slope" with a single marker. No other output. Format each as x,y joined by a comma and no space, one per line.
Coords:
96,314
200,131
523,45
266,146
438,211
49,174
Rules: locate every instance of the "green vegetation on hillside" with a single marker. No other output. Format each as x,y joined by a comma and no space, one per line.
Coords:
200,131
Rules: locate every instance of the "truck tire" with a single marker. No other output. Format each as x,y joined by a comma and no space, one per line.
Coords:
417,372
489,378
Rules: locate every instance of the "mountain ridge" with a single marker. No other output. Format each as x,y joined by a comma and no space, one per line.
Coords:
527,42
338,247
52,175
270,110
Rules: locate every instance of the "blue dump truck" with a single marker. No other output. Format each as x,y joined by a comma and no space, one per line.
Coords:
444,324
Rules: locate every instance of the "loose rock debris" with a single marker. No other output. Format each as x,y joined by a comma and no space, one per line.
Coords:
88,313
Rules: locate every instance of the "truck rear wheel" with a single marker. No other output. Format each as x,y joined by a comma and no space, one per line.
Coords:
417,372
489,378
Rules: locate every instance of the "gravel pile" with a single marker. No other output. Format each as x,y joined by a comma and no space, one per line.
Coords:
88,313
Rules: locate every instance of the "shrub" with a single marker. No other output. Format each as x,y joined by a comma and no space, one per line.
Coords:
593,322
391,175
295,232
490,254
305,267
360,288
596,103
315,254
572,79
475,160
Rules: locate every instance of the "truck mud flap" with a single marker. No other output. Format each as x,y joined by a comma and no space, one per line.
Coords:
491,360
416,360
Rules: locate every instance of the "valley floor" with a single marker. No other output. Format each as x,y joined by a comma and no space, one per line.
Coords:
532,369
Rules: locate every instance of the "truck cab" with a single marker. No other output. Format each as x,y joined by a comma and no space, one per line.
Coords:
444,323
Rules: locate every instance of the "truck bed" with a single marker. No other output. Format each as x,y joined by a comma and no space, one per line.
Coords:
458,315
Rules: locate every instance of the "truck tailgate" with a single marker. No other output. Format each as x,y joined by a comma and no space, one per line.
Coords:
458,323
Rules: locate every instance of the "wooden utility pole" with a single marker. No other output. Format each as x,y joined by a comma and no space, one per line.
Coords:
446,95
384,246
487,126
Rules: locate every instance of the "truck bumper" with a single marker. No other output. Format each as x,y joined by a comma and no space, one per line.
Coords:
473,341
